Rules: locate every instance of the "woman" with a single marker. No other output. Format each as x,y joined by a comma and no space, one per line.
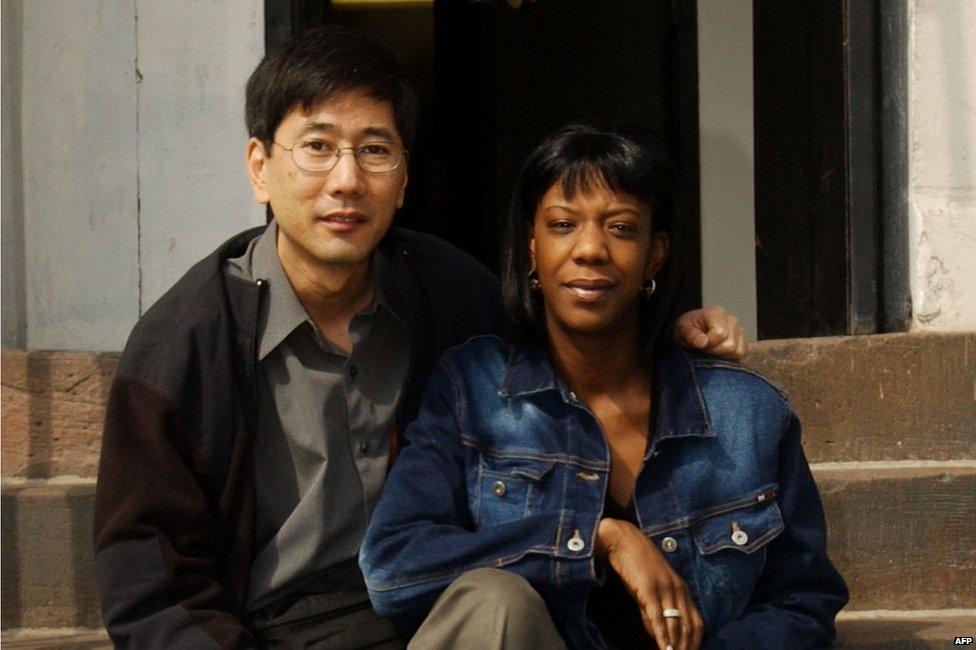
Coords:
644,491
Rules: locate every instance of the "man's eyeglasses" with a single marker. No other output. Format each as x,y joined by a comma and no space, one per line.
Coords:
320,156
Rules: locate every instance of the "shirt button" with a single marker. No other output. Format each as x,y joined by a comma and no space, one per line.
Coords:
576,543
669,544
498,488
352,372
364,448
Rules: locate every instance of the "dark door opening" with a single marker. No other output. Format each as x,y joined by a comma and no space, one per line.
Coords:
831,167
493,80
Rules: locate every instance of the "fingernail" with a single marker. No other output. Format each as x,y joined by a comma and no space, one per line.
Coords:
667,647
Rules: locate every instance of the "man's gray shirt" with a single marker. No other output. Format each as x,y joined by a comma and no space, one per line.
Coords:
325,426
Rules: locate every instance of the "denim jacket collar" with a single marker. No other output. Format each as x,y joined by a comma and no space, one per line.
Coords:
529,371
679,405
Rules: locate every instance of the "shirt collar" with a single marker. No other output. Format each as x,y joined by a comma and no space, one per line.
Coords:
283,312
679,406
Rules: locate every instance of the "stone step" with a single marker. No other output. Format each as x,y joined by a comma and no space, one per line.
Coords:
879,629
905,630
53,410
901,533
56,638
46,553
884,397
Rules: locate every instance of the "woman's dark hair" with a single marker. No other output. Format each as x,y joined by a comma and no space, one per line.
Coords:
626,160
317,65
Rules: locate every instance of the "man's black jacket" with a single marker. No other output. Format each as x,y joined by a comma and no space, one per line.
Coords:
174,506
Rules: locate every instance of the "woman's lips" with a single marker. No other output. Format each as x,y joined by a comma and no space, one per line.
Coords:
589,290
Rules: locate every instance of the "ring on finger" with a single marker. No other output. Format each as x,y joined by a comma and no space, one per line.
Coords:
671,613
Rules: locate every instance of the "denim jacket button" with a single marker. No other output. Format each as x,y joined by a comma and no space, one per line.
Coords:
739,536
669,544
576,543
498,488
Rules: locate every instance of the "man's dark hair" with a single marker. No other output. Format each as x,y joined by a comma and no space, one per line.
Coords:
317,65
626,160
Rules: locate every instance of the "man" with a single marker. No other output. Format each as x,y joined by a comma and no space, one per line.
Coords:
252,418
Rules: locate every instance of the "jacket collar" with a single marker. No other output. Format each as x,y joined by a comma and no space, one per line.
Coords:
679,407
679,404
529,371
282,310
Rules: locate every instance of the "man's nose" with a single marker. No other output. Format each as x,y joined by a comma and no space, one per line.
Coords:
346,177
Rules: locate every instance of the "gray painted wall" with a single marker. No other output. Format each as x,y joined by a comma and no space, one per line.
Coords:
132,128
13,316
728,203
192,182
79,159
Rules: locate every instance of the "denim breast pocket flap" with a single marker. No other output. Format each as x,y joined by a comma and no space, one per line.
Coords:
744,525
509,488
525,469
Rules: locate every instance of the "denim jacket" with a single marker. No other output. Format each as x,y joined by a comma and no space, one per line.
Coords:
506,468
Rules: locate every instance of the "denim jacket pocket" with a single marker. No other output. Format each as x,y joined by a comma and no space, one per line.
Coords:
732,540
744,525
508,488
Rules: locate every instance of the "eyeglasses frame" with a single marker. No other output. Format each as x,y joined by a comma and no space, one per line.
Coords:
339,153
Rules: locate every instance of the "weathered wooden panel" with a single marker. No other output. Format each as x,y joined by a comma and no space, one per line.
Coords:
47,557
886,397
53,410
903,538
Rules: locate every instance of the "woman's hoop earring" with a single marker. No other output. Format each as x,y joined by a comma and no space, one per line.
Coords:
534,283
648,288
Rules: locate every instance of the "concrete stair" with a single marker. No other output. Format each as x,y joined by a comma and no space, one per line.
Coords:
48,528
61,638
889,428
53,408
916,630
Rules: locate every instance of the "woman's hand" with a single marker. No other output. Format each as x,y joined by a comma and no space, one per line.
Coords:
653,584
712,330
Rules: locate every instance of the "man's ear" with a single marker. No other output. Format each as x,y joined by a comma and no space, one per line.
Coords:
257,162
658,254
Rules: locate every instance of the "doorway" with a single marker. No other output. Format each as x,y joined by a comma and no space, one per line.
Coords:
495,77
